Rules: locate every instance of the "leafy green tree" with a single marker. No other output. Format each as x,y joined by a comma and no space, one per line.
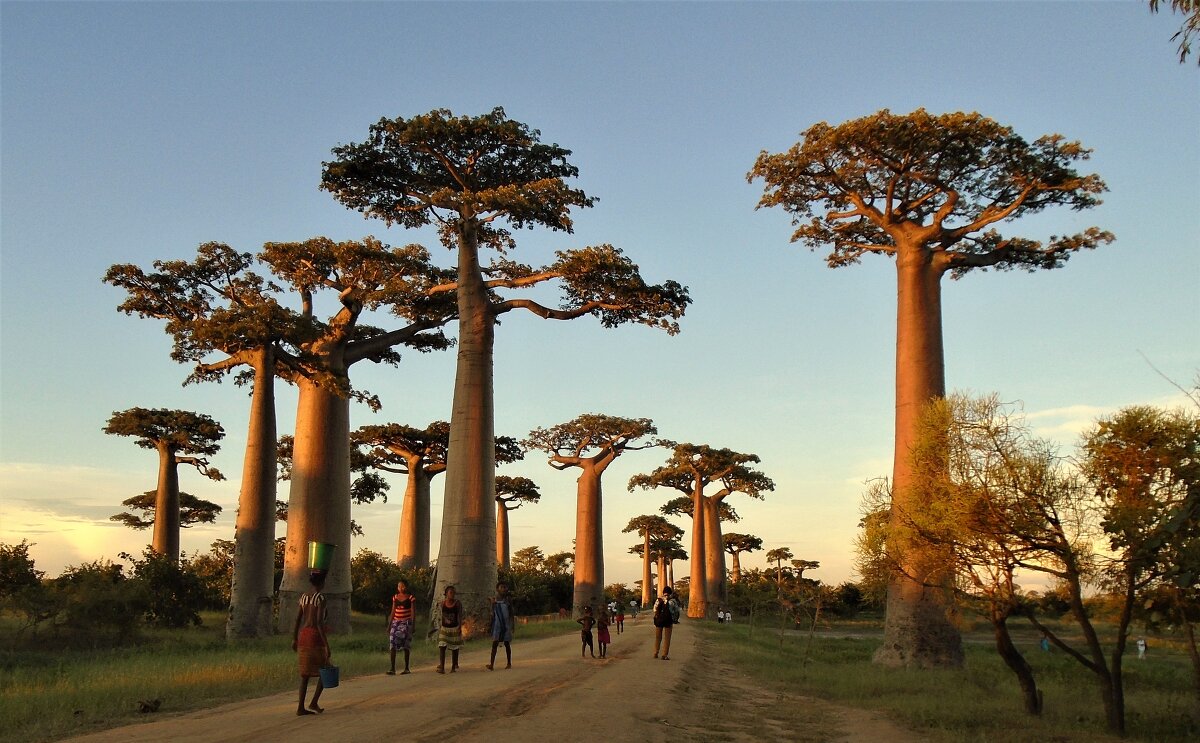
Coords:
192,510
558,563
174,593
690,469
1143,464
528,559
735,545
215,571
360,276
651,527
929,191
1191,24
217,305
471,176
511,494
590,443
178,436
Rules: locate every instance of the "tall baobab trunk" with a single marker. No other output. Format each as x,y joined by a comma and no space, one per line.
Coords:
412,548
466,557
166,505
663,581
589,541
698,582
735,572
319,503
714,552
251,595
647,585
671,573
919,627
502,555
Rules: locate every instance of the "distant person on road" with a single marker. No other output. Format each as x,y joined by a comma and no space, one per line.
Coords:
310,641
666,614
602,635
620,619
502,624
728,617
450,631
587,620
400,626
1141,647
720,615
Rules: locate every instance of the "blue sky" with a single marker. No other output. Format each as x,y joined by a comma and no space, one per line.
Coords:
134,132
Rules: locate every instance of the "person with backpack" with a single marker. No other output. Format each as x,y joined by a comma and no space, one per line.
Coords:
666,616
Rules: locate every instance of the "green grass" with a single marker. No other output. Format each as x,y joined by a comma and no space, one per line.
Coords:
981,702
46,694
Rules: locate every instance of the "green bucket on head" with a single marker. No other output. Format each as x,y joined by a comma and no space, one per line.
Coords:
320,555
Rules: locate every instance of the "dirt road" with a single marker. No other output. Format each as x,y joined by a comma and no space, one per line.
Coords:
550,694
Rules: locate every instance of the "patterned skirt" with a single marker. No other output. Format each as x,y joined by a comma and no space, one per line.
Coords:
400,635
311,652
450,637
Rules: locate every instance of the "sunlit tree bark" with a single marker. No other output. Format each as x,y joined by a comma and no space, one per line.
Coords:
927,190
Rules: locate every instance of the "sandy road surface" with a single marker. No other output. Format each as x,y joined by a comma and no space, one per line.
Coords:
550,694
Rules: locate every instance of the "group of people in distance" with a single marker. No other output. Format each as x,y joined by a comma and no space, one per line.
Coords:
723,615
311,641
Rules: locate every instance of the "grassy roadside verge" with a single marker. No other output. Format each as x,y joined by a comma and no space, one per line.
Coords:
48,694
978,703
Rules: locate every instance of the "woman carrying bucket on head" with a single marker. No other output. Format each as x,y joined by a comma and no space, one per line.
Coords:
308,635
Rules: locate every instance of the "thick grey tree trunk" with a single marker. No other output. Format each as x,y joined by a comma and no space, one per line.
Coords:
319,503
252,593
647,582
502,550
412,548
166,505
467,553
589,541
714,553
698,580
919,628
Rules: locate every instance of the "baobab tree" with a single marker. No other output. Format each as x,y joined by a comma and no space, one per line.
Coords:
735,545
192,510
649,528
662,551
470,176
683,506
420,454
179,437
690,469
802,565
511,494
362,275
929,191
590,443
217,306
779,556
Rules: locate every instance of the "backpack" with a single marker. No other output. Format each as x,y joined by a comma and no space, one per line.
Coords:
673,605
662,614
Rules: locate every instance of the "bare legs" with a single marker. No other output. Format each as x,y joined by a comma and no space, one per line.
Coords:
313,707
507,654
442,660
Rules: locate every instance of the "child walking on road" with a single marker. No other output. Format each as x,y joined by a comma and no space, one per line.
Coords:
450,631
587,621
400,627
602,635
502,625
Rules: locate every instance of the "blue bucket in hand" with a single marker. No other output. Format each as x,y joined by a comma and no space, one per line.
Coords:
329,676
